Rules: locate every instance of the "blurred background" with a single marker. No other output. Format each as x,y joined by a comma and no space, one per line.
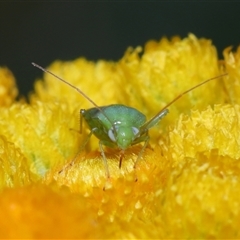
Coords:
45,31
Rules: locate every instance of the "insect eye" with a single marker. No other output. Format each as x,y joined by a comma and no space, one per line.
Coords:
111,134
135,131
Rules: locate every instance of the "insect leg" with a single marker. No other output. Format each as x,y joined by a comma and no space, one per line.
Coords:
146,140
81,120
152,122
121,157
104,159
81,149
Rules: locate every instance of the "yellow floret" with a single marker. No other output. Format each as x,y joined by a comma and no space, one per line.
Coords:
8,88
202,190
232,65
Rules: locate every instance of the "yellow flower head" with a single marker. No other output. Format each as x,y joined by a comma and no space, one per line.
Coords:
8,89
186,184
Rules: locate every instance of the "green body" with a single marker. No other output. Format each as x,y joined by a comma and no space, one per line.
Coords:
127,122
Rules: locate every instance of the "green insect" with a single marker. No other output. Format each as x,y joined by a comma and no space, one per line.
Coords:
120,126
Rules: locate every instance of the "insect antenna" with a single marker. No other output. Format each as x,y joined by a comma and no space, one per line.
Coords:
150,122
77,89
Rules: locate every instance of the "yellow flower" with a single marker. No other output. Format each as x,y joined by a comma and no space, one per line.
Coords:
8,89
188,180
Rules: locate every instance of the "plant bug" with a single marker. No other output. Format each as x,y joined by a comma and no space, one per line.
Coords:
120,126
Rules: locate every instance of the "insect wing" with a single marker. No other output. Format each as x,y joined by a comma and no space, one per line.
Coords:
97,123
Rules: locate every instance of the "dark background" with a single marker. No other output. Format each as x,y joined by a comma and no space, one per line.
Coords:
45,31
